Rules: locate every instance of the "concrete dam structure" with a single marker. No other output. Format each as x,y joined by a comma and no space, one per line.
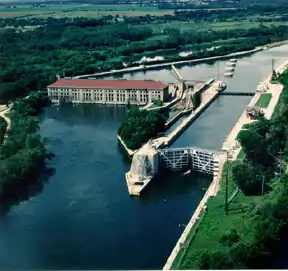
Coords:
148,161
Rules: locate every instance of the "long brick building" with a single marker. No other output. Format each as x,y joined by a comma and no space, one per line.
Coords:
121,91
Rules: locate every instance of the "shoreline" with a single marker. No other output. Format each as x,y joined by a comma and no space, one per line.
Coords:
187,61
165,64
128,151
215,185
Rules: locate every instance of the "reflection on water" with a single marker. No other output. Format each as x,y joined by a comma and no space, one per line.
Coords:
18,193
84,217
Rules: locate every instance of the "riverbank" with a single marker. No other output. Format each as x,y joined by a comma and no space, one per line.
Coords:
18,147
185,258
180,62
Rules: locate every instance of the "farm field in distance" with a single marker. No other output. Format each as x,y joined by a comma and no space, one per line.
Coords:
80,10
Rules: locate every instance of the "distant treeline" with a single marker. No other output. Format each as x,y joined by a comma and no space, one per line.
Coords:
30,60
37,2
255,13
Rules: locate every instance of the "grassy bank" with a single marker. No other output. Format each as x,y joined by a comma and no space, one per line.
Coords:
264,100
80,10
215,223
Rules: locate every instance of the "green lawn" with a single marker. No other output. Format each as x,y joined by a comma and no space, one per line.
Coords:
190,25
80,10
215,223
182,252
241,155
264,100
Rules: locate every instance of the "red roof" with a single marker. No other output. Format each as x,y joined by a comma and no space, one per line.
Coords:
108,84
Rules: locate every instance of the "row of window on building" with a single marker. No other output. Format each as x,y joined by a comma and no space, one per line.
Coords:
100,95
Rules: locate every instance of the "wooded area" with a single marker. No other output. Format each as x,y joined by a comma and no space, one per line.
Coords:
23,155
139,126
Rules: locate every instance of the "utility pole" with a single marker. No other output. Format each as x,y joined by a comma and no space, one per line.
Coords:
280,164
286,137
218,72
226,183
262,188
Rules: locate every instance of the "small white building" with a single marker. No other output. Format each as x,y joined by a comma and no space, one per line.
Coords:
113,91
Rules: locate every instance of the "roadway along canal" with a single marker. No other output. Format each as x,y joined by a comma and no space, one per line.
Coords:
84,217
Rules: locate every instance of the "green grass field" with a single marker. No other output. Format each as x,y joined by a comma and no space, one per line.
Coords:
241,155
186,26
264,100
78,10
215,223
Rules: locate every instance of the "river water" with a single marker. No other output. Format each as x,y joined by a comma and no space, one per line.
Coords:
84,217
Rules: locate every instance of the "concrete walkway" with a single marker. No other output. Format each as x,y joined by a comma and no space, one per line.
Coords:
275,89
3,111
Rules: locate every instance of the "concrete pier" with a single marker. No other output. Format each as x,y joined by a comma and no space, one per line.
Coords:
144,167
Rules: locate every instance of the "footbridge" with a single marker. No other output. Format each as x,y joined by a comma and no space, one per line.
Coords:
147,163
227,93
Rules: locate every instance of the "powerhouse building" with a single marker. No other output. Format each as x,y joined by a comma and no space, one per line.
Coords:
121,91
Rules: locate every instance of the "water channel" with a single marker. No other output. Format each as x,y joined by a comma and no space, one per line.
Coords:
84,217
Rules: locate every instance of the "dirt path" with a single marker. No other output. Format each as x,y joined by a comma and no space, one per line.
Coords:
3,115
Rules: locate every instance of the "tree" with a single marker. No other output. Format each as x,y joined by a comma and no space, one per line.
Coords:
248,178
214,260
139,126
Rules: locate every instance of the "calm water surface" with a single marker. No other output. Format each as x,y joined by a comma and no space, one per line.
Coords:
84,217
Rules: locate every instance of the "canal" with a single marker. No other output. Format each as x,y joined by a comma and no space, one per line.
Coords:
84,217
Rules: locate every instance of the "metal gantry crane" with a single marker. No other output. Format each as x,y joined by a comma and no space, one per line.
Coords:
183,87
